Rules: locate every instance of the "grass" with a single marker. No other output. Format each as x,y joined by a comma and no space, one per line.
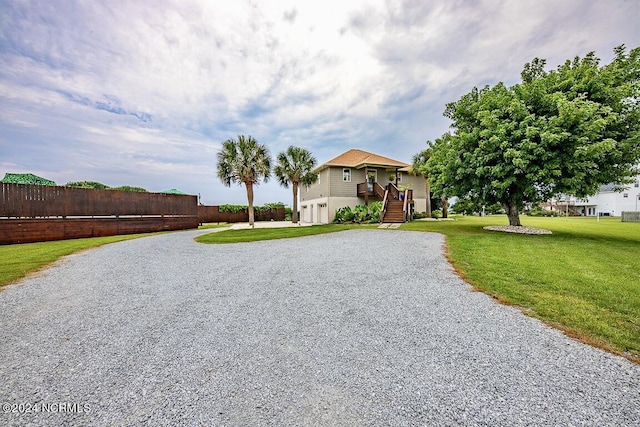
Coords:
582,279
213,225
257,234
16,261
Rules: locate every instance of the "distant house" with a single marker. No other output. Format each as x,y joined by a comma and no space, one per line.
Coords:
358,177
606,202
25,178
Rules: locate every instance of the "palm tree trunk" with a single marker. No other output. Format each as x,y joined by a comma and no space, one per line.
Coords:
249,186
294,214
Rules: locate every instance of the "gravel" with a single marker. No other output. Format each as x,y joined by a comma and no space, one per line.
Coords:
517,229
362,327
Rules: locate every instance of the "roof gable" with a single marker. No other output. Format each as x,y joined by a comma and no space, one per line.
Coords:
355,158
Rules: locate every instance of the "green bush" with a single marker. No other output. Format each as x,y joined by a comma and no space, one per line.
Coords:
375,210
436,213
358,215
87,184
344,215
419,215
129,188
233,208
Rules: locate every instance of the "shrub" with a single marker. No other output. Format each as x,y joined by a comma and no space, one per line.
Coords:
375,209
87,184
360,214
343,215
436,213
232,208
129,188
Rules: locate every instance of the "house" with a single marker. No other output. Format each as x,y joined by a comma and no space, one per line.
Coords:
607,202
358,177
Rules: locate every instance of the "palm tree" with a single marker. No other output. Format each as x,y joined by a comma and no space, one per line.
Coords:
295,166
419,169
244,161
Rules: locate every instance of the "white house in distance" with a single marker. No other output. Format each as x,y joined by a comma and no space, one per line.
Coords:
357,177
605,203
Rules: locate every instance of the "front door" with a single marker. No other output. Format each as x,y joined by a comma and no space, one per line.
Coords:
372,176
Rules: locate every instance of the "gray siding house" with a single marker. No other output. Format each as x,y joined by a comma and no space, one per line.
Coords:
358,177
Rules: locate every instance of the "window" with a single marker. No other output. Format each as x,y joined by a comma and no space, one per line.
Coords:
636,184
625,195
399,177
346,175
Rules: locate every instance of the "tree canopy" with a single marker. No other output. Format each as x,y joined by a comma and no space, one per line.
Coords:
295,166
565,131
244,161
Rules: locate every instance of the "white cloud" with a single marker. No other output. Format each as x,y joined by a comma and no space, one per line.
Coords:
144,92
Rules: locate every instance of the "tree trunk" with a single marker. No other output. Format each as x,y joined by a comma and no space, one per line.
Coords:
512,213
428,199
250,201
294,214
445,207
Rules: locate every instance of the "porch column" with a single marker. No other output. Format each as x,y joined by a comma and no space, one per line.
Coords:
366,179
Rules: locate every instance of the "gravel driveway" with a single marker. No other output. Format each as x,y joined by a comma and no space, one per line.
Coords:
363,327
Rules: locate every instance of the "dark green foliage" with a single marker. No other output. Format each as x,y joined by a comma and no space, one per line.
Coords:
566,131
344,215
243,208
359,214
129,188
233,208
375,209
468,206
87,184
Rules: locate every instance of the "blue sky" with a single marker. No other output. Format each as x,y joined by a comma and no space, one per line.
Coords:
143,93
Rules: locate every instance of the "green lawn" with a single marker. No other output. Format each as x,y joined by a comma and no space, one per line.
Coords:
583,279
257,234
213,225
16,261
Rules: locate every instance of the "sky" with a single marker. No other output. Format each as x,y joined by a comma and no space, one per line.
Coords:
143,93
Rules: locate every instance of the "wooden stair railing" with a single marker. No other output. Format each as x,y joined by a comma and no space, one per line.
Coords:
405,205
384,205
379,190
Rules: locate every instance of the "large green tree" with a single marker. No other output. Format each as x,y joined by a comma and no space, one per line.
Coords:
295,166
244,161
565,131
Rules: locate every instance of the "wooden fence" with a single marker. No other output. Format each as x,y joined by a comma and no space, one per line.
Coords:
213,214
631,216
34,213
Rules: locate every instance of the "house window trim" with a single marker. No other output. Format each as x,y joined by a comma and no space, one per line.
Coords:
347,175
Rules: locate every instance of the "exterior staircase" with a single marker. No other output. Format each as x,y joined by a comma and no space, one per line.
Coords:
394,211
